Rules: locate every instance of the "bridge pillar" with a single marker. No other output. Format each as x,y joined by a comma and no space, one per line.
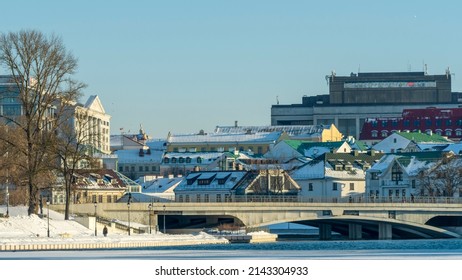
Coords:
385,231
325,231
355,231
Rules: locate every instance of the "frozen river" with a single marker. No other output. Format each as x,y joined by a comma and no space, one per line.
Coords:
354,250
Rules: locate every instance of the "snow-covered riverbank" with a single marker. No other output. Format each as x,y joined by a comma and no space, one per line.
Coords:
23,232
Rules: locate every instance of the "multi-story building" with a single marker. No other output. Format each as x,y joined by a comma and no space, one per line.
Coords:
96,123
444,122
315,133
257,143
355,98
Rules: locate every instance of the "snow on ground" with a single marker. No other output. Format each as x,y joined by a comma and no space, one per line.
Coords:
24,229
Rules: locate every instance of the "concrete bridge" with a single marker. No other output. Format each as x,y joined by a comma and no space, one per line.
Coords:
353,220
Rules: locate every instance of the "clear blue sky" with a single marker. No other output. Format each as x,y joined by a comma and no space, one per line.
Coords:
182,66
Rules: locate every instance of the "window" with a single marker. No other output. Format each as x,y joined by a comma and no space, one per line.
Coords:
121,169
310,187
173,159
199,160
206,197
109,199
374,175
413,184
218,197
227,197
374,133
146,168
352,186
140,168
198,198
384,133
448,132
127,168
188,160
448,122
181,160
93,198
187,198
166,160
153,168
132,168
180,198
114,197
100,199
396,173
406,123
384,123
458,132
334,186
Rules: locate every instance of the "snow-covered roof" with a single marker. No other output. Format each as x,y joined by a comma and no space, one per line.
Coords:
291,130
156,144
354,173
263,137
383,164
312,170
161,185
133,156
225,180
456,148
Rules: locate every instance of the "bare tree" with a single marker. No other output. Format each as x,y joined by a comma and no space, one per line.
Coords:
41,70
443,179
74,146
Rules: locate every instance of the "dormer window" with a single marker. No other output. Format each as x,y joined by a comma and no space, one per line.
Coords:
396,173
166,160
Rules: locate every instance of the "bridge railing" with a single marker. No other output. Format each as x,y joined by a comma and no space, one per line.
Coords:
352,199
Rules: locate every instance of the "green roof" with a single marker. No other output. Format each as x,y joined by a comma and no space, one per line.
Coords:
420,137
301,146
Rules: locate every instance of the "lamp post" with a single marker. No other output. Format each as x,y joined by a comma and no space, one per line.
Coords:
96,230
7,202
128,207
149,217
164,218
48,216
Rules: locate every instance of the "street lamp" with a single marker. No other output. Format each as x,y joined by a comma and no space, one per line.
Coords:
48,216
96,230
7,202
164,219
128,207
149,217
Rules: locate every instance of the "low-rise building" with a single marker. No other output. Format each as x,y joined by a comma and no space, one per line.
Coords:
409,142
398,177
227,186
333,176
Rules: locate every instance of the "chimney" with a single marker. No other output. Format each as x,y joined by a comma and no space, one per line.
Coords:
235,123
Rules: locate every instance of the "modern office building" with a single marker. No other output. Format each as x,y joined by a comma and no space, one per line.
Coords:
355,98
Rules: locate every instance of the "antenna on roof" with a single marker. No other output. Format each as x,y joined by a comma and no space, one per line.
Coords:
277,100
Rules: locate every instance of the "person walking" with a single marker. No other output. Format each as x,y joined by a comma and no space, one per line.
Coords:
105,231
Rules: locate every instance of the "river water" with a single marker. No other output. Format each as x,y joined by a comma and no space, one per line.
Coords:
315,249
